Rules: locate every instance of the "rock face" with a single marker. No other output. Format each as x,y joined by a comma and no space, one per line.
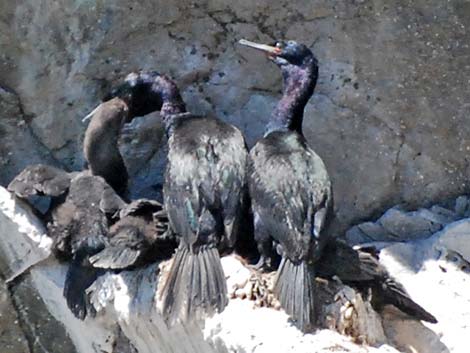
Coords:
388,117
128,317
399,225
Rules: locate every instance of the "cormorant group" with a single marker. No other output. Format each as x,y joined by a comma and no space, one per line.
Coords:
213,188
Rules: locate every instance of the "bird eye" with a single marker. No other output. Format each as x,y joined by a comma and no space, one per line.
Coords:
278,45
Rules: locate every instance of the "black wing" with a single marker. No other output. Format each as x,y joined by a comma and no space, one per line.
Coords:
291,193
205,179
125,247
362,269
138,237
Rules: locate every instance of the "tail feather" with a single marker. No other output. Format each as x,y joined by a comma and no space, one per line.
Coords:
169,297
195,286
396,295
77,280
295,291
220,299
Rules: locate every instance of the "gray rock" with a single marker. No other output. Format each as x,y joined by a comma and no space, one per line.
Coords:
405,226
437,215
42,331
399,225
23,235
366,232
462,206
19,147
12,338
389,116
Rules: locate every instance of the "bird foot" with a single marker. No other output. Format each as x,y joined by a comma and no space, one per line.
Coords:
264,264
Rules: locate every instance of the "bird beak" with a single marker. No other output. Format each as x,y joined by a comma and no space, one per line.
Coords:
89,116
263,47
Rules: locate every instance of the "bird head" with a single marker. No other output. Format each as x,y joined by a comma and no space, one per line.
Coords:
285,53
138,91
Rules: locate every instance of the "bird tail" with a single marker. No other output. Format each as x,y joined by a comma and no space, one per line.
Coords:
295,291
195,286
77,280
396,295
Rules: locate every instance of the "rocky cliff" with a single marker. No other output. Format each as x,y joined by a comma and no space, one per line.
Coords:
388,116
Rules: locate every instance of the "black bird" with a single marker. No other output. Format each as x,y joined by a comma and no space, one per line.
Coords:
204,194
84,207
361,269
288,198
289,185
139,237
137,93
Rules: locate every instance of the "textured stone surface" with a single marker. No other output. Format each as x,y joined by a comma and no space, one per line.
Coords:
397,224
43,332
388,117
12,339
23,234
19,147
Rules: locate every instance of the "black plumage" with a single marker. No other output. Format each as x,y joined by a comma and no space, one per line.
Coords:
139,237
84,207
290,187
292,201
204,195
362,270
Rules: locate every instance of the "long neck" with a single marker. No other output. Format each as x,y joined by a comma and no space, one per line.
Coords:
101,144
298,85
173,106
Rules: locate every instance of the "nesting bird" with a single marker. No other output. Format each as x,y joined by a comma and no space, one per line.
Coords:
292,204
361,269
86,204
204,194
289,185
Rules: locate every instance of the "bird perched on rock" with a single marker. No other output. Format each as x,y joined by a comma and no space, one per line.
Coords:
361,269
289,185
291,197
204,194
84,207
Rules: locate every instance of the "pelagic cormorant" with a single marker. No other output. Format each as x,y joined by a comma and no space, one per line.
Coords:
361,269
84,207
289,185
283,183
204,194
